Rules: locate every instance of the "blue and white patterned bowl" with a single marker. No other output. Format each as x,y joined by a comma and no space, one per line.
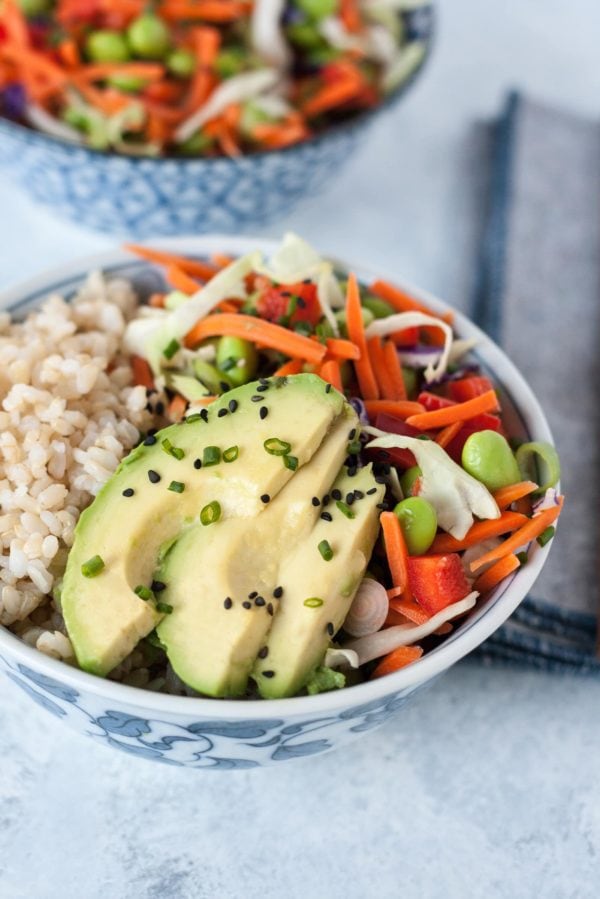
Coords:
205,733
150,197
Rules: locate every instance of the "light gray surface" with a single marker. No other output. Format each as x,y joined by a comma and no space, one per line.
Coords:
487,785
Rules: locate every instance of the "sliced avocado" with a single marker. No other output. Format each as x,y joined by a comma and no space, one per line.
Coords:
136,512
212,638
318,593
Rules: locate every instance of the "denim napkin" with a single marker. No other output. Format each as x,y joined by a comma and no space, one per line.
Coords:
538,295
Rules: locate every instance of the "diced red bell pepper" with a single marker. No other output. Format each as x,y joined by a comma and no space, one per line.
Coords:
433,402
403,458
468,388
289,303
437,581
483,422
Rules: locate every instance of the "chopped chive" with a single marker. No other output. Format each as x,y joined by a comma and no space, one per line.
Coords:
92,567
325,550
345,509
523,558
546,536
143,592
210,513
291,462
231,454
195,416
164,607
353,447
171,348
276,447
423,437
171,450
313,602
211,455
176,487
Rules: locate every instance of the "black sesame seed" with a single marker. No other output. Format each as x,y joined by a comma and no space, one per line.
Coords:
349,498
222,412
358,494
197,463
371,491
150,440
129,491
268,674
159,408
325,499
330,629
204,414
382,506
264,381
328,388
246,604
262,388
253,595
265,498
158,586
316,501
263,653
153,476
352,434
263,412
257,398
285,293
270,609
233,404
379,480
326,516
301,303
259,601
228,602
336,494
278,592
224,386
352,472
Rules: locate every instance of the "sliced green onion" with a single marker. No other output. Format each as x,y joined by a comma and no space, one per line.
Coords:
164,607
231,454
92,567
211,455
345,509
546,536
143,592
353,448
176,487
325,550
313,602
539,461
291,462
277,447
523,558
171,348
191,418
210,513
171,450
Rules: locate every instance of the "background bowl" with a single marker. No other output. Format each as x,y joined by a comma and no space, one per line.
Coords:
208,733
151,197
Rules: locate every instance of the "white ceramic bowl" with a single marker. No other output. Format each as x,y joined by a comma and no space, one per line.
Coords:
207,733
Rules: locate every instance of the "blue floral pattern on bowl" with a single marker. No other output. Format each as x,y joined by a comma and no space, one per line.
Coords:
205,743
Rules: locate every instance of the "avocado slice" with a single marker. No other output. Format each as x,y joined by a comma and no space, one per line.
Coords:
104,617
318,593
222,612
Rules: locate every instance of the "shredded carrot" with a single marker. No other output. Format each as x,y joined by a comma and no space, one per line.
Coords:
342,349
356,332
350,16
410,608
397,659
157,300
293,367
178,279
152,71
192,267
403,302
217,11
378,364
142,373
399,408
335,93
394,370
219,260
257,331
448,434
532,529
330,372
478,532
492,577
439,418
177,407
278,135
509,495
396,551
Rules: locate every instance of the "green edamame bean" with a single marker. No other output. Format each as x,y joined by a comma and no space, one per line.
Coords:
305,35
317,9
181,63
127,83
411,382
107,46
487,457
408,479
149,37
230,61
539,461
418,520
215,381
238,359
379,308
32,8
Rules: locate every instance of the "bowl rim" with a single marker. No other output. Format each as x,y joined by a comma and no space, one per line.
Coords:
347,126
503,601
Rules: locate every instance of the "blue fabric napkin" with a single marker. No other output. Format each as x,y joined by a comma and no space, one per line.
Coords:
538,295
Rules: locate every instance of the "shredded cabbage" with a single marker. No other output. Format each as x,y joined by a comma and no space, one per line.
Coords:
381,327
268,40
455,495
46,123
340,658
